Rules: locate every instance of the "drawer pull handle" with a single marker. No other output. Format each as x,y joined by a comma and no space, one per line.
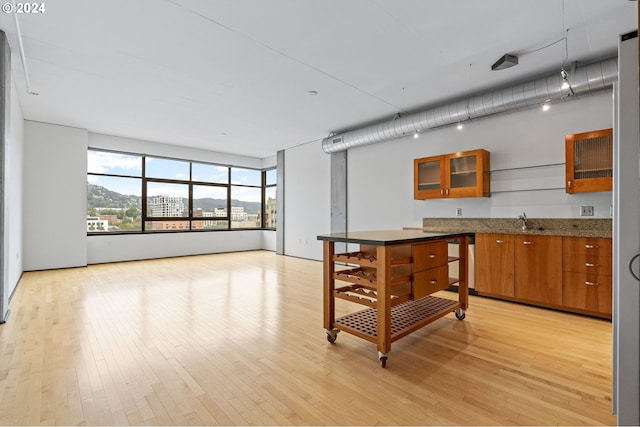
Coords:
499,241
591,246
433,282
527,243
442,191
432,256
591,283
588,264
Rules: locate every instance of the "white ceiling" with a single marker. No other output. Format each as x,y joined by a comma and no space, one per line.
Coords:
234,75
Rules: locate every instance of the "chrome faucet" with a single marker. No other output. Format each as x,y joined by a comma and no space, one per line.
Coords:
523,218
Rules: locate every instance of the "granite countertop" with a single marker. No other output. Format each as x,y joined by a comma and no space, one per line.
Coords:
573,227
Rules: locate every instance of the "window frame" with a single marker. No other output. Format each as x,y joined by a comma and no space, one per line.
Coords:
145,217
264,197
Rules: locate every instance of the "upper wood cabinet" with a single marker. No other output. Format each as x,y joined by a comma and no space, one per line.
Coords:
461,174
589,161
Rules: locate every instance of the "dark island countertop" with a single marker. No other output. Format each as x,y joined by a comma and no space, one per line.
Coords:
387,237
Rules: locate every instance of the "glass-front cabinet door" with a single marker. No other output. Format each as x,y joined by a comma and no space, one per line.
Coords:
462,174
468,174
462,171
589,164
428,177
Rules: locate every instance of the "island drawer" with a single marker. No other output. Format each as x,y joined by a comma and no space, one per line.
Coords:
430,255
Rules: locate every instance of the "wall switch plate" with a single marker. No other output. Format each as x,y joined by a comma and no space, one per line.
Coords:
586,210
458,211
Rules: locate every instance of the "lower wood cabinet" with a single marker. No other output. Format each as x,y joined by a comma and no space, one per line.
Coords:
570,273
538,264
494,264
586,275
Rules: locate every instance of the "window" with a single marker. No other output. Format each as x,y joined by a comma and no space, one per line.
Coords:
136,193
156,167
246,198
114,192
269,198
210,207
203,172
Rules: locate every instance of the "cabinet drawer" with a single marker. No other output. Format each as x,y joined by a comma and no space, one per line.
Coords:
430,281
590,292
589,264
430,255
587,245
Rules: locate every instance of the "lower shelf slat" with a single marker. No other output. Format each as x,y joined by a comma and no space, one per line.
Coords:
405,317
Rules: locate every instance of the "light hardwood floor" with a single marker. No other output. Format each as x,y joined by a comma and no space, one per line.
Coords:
237,339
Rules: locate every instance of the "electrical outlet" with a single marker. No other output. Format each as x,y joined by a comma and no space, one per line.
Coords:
458,211
586,210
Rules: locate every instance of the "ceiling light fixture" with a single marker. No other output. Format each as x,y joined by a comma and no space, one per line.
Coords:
416,135
565,82
460,126
507,61
546,106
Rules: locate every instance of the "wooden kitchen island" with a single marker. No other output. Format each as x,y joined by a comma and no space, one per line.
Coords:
394,273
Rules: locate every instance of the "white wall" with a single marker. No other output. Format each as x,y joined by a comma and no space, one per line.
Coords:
268,240
13,207
101,249
380,193
307,200
112,248
13,162
380,176
109,142
55,196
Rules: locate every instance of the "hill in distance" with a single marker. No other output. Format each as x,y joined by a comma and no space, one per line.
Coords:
101,197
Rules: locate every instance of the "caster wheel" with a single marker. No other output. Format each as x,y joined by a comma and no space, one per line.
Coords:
460,314
382,358
332,335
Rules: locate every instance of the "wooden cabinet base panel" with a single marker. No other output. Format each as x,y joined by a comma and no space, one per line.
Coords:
549,306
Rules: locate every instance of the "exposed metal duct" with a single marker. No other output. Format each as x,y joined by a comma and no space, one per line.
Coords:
585,79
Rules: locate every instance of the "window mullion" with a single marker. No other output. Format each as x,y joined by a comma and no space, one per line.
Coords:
229,200
143,226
